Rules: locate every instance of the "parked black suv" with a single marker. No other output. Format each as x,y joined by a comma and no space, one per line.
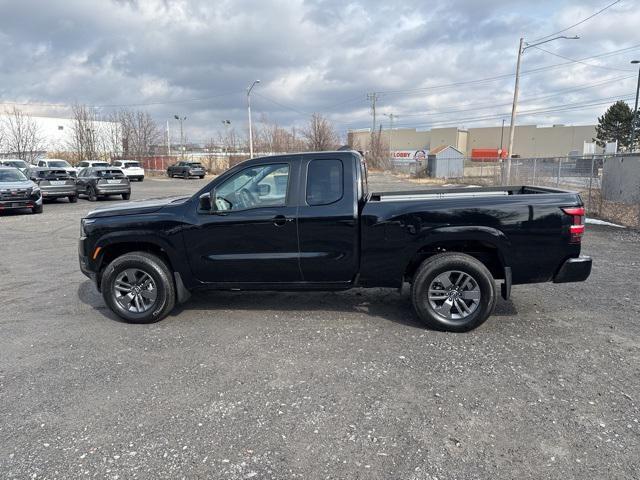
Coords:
100,182
186,169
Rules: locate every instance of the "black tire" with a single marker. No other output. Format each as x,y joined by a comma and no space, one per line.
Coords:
453,262
154,267
37,208
201,177
73,199
91,193
126,196
141,179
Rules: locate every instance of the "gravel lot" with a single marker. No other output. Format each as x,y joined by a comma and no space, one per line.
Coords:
312,385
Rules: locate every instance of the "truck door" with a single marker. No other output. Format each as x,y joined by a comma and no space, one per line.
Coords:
328,219
253,236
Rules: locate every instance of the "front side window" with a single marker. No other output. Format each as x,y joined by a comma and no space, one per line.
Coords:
324,182
254,187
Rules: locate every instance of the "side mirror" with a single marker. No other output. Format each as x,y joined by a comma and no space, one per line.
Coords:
205,204
264,189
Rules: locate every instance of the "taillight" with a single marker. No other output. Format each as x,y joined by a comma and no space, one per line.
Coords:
576,229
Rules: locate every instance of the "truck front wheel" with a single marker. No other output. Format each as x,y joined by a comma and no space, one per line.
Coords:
138,287
454,292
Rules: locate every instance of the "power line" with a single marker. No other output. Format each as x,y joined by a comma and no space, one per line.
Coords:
581,62
578,23
533,112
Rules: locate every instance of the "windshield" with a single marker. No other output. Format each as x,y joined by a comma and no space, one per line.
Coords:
58,163
7,176
131,165
100,164
15,163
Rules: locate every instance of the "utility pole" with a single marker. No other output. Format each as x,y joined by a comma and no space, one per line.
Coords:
512,127
501,138
635,110
168,140
391,117
373,98
249,111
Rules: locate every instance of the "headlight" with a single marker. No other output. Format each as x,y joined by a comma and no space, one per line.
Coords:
83,223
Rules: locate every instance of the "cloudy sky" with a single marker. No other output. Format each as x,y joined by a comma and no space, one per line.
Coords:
434,63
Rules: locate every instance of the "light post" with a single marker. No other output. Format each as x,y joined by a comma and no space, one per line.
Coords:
635,110
255,82
501,140
226,124
181,119
523,46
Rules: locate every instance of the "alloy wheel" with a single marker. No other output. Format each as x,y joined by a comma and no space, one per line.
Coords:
135,290
454,295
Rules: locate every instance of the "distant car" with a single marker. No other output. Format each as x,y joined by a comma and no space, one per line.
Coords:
131,168
102,182
17,191
92,163
15,163
54,183
57,163
186,169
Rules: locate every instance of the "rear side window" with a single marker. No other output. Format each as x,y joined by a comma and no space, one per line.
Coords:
324,182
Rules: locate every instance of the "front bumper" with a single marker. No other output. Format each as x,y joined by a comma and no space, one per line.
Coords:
574,270
83,259
16,204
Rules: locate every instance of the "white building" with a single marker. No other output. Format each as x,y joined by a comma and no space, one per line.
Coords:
57,133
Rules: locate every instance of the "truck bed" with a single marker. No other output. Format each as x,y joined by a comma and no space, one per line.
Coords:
461,192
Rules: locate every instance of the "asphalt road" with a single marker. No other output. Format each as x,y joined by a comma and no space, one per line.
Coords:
312,385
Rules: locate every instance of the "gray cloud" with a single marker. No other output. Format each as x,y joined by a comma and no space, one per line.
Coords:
311,55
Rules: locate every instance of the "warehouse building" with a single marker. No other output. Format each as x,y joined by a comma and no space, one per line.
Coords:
529,140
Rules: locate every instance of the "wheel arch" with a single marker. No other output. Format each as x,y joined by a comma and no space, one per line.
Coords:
486,244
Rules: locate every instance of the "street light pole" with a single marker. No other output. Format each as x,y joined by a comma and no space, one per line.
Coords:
635,110
226,124
181,119
249,111
501,139
521,49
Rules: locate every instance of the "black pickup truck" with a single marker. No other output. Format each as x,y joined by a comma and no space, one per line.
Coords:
308,222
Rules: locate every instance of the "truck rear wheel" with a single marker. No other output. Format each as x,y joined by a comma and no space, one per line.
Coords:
453,292
138,287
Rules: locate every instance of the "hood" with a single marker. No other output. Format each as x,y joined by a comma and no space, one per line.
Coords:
16,185
136,207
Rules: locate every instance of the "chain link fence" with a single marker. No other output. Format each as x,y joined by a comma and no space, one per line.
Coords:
609,187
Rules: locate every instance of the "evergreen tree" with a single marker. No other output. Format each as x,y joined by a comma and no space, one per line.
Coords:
615,124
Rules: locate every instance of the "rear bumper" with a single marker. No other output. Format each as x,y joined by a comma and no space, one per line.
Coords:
574,270
113,189
59,192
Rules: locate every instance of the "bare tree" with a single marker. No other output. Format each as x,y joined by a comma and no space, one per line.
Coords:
379,153
320,134
21,135
273,138
139,132
84,134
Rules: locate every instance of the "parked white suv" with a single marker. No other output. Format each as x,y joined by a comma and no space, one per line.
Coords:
57,163
132,169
